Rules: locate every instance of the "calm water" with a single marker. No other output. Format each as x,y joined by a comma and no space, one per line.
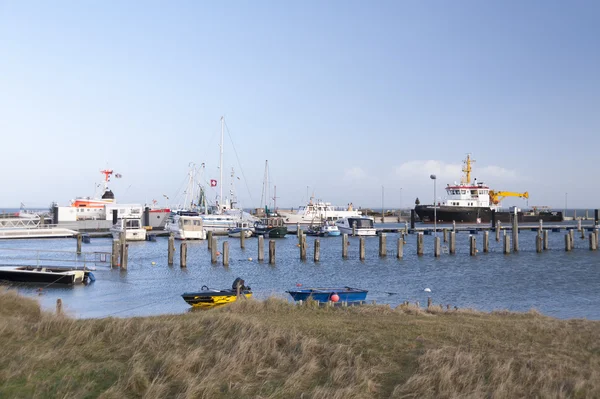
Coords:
564,285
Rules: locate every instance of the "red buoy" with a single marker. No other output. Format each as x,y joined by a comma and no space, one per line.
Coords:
335,298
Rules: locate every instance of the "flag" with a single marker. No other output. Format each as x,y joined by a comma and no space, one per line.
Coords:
118,175
213,183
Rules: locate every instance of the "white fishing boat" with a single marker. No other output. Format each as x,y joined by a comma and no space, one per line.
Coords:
186,225
131,227
360,226
241,228
316,212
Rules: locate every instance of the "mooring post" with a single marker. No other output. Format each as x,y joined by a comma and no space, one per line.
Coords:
58,307
171,249
272,252
445,234
572,236
243,239
428,302
412,219
183,254
579,224
493,218
400,252
538,242
436,247
79,241
405,227
506,243
420,244
124,256
452,244
122,237
361,252
209,238
454,225
114,259
546,241
317,256
382,244
261,248
586,214
225,253
541,224
515,232
592,241
300,235
567,242
486,241
582,233
213,250
353,229
344,246
302,247
298,230
472,245
596,216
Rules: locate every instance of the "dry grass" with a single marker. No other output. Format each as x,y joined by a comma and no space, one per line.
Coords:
273,349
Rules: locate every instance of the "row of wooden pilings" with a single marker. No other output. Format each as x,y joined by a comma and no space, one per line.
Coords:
120,247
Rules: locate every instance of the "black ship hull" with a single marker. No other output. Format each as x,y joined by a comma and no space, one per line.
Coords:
463,214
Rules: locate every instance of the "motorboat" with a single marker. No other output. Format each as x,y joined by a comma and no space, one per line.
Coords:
208,297
272,226
317,211
46,275
131,227
360,226
329,229
340,294
241,228
186,225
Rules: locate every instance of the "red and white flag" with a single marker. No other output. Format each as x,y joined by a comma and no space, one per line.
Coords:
213,183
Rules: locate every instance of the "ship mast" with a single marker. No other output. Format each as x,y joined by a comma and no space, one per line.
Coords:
106,173
221,167
467,170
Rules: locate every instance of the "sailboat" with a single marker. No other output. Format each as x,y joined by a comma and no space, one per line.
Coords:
272,225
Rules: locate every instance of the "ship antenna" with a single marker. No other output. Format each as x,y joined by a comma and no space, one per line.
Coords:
106,173
467,170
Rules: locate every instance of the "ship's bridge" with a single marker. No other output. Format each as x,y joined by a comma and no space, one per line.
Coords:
468,195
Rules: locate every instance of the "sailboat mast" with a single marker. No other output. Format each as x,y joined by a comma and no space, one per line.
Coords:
221,167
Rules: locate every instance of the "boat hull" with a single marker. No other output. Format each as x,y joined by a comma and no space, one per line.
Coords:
274,232
460,214
211,298
44,276
345,294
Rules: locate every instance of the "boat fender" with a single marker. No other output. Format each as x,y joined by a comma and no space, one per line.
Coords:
91,277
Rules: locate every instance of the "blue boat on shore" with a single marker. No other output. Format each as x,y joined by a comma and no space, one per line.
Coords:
344,294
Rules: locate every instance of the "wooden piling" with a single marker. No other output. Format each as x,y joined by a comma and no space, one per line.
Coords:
538,243
261,248
114,259
454,225
298,231
58,307
486,241
225,253
582,233
593,241
506,243
472,245
171,249
209,238
436,247
515,233
124,256
579,224
400,253
498,230
353,229
362,248
344,246
243,239
567,242
213,250
445,232
546,240
452,244
183,254
272,252
79,241
572,236
382,244
302,247
317,255
428,302
420,244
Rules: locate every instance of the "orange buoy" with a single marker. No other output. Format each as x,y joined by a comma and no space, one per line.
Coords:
298,285
335,298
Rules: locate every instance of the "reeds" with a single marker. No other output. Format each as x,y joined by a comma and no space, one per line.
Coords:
273,349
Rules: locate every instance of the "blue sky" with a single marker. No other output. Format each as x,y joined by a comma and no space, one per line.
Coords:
342,97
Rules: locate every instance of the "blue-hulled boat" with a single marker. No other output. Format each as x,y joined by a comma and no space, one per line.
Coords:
345,294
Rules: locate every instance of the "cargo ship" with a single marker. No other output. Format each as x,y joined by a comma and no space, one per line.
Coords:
475,202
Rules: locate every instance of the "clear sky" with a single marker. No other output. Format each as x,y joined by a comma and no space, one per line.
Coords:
341,97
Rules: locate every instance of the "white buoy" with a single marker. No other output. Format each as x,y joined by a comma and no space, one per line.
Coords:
250,259
427,290
153,263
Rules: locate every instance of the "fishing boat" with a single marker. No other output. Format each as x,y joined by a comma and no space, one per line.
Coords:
271,226
46,275
208,297
344,294
318,211
239,229
131,227
360,226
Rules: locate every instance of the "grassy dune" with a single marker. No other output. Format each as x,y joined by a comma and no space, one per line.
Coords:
273,349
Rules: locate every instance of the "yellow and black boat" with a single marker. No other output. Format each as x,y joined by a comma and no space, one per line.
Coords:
208,297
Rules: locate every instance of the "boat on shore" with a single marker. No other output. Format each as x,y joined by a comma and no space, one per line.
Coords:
208,297
340,294
360,226
46,275
476,202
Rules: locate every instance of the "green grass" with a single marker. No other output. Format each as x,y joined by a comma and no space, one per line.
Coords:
273,349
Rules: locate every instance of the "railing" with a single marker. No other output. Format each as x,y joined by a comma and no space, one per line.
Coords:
53,258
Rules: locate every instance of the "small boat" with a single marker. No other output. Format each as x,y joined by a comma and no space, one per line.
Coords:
272,226
208,297
241,227
186,225
361,226
132,227
345,294
46,275
329,229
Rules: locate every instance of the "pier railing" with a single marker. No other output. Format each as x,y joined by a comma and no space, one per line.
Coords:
15,257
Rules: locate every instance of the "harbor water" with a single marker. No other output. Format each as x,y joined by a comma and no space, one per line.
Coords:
557,283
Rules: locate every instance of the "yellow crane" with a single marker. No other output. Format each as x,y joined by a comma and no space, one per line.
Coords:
497,196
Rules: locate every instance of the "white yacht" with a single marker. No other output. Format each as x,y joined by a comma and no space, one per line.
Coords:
315,212
360,225
132,227
186,225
